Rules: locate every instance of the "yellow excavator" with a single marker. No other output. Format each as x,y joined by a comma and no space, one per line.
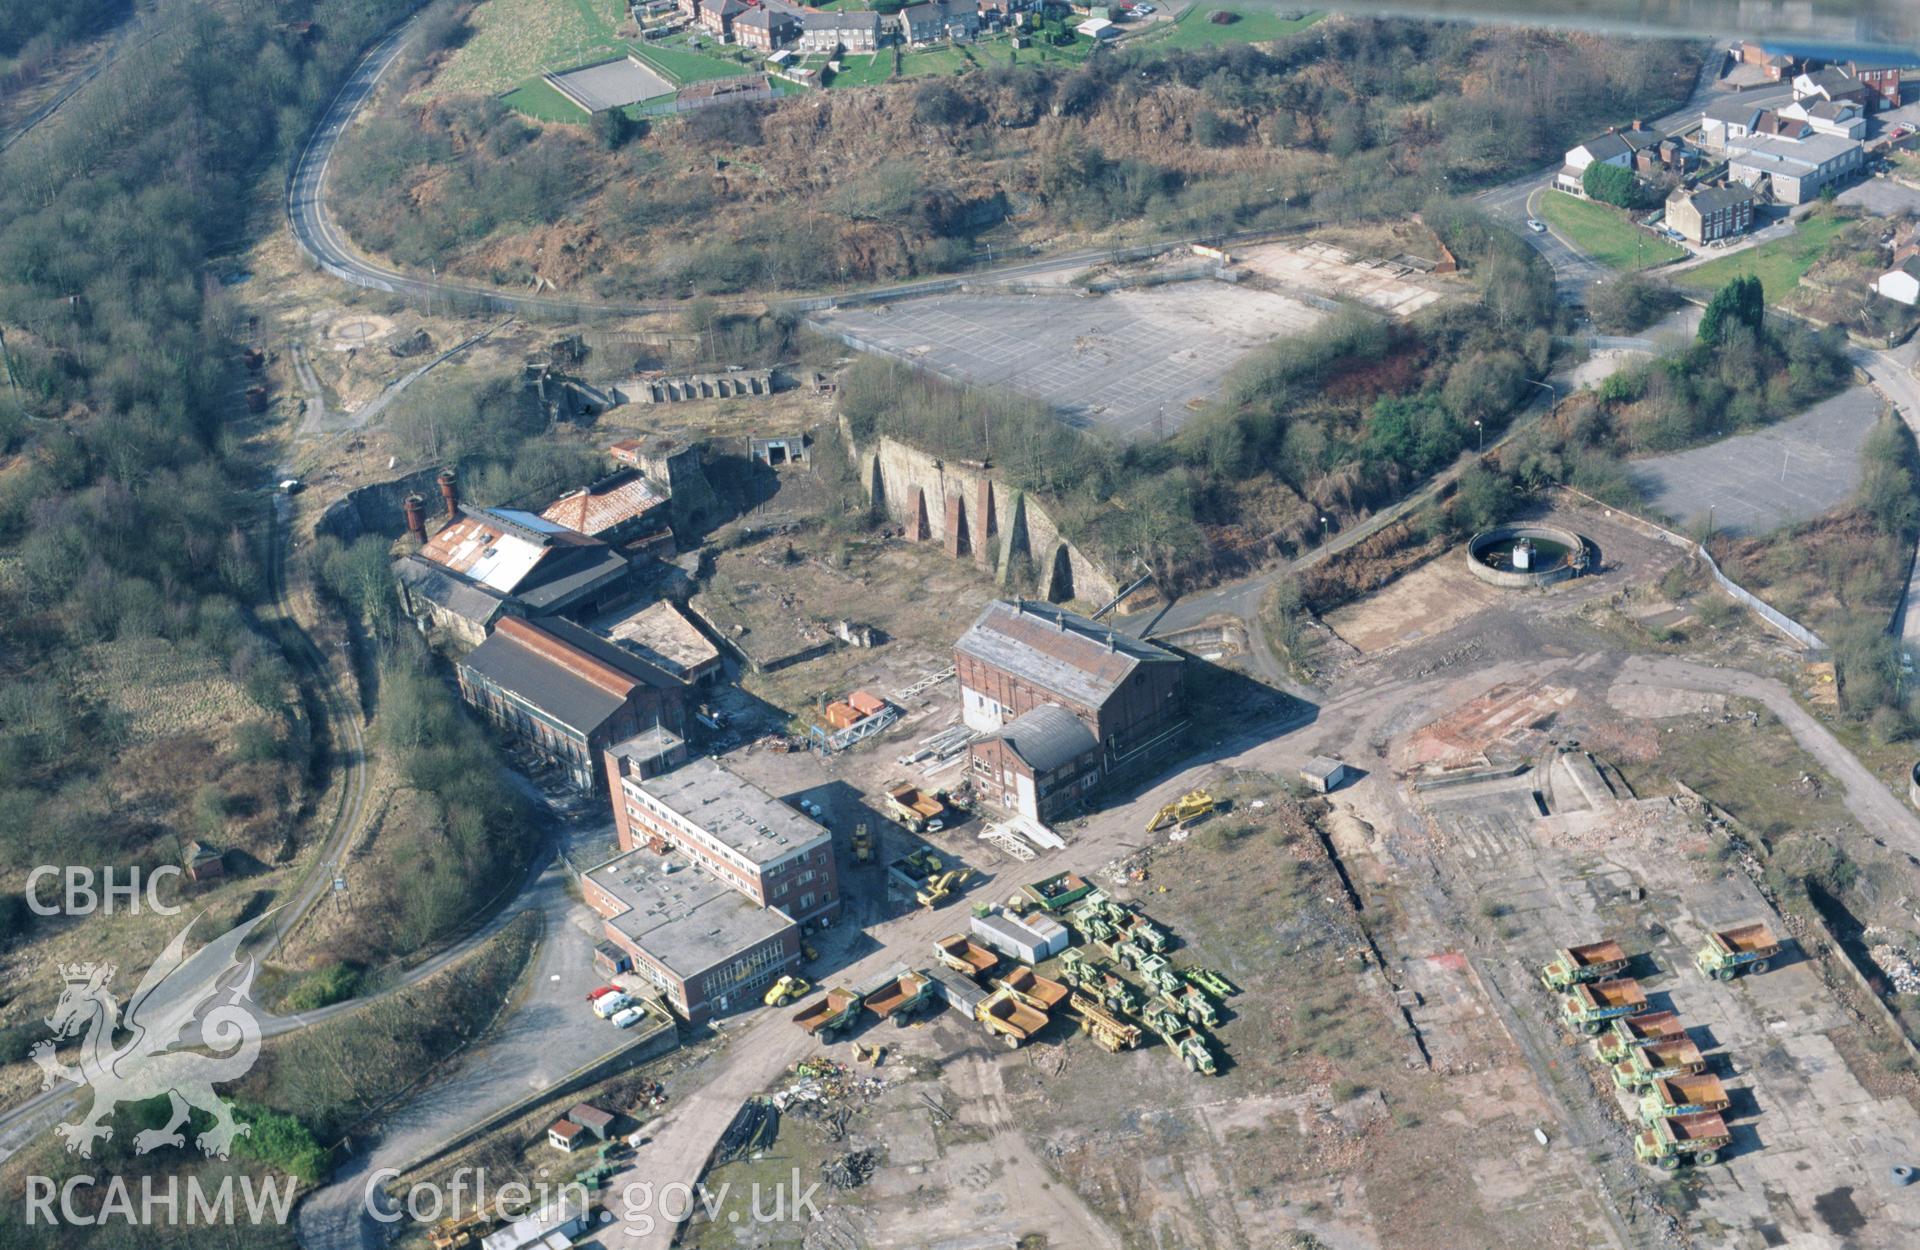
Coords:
1190,806
939,888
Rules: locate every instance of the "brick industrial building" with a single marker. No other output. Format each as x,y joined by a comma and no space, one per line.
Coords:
752,842
706,947
568,694
1064,702
714,881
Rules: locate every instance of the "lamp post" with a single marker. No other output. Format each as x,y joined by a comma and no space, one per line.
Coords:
1480,431
1553,396
1323,530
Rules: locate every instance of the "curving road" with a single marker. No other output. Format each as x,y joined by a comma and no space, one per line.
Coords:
328,246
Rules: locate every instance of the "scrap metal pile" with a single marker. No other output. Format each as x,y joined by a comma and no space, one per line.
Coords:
850,1170
753,1129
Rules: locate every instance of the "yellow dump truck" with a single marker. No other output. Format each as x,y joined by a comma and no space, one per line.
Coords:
1730,952
833,1014
1672,1140
1596,961
964,955
1035,989
915,808
1677,1056
1631,1032
1683,1095
898,995
1013,1021
1591,1006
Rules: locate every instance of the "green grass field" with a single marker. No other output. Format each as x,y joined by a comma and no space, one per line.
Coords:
858,71
515,40
1193,30
1780,264
537,99
1604,233
684,65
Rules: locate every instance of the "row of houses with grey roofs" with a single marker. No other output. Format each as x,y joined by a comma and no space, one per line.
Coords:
772,25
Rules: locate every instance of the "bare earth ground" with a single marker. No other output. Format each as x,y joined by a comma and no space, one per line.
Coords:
1345,1072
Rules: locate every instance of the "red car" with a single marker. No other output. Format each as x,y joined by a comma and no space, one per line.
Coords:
602,992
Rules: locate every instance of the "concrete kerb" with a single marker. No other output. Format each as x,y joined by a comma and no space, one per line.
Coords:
1785,625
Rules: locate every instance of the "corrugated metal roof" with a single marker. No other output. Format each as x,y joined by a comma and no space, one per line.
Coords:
485,552
571,696
1049,737
1062,652
596,509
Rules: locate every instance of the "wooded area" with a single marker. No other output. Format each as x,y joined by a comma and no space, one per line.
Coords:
1352,119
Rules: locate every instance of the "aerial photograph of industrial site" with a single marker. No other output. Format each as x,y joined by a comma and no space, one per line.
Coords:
959,625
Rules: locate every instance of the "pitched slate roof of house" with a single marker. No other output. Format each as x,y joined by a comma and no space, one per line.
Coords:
1713,199
1622,143
864,19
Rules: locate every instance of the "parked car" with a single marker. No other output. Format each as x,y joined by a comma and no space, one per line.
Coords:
594,995
608,1005
1536,225
628,1017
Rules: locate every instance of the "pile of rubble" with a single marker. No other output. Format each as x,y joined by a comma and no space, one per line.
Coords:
1895,961
820,1086
1130,869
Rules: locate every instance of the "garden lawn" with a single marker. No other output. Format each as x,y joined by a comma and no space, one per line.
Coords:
1780,264
1605,233
1193,30
858,71
684,65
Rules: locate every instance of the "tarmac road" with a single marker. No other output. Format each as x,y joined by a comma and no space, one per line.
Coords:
315,230
1886,817
1516,201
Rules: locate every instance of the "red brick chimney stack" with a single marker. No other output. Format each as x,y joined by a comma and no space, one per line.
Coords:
451,493
416,517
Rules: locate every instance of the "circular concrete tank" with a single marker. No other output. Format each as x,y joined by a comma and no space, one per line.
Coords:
1519,556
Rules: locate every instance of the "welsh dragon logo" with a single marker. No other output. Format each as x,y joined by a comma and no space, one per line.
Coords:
177,994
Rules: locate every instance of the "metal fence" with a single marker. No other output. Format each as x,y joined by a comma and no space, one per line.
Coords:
1786,625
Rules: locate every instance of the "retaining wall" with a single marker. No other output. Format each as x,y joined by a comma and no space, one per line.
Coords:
972,516
1789,628
378,510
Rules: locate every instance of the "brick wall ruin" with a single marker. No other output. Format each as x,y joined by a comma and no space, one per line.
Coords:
1003,530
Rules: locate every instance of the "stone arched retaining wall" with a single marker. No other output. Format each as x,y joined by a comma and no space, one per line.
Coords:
972,516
